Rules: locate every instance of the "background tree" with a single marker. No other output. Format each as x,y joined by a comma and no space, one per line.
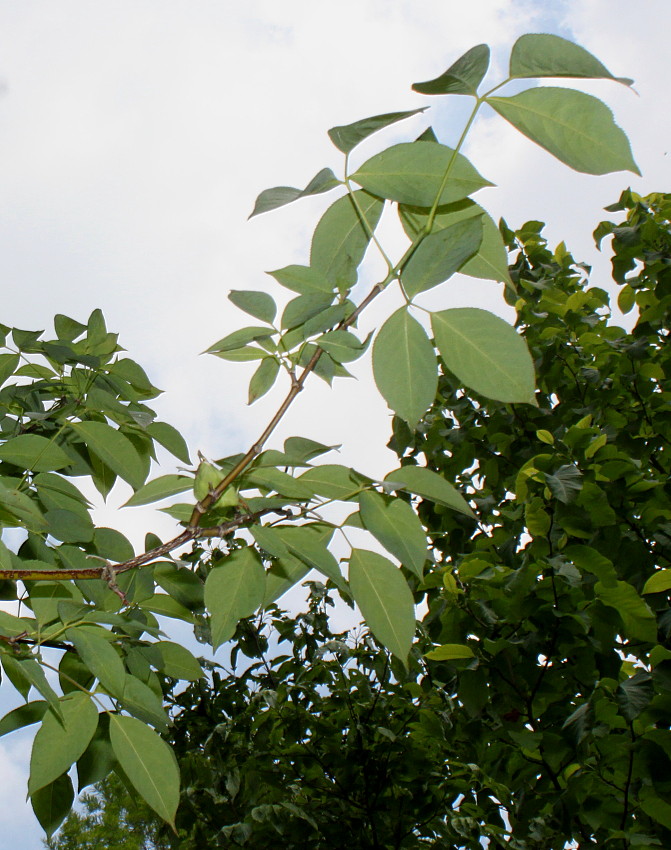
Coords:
542,715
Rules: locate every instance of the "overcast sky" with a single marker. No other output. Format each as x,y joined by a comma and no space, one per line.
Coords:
136,134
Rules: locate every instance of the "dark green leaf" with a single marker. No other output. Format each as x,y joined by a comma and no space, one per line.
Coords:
634,694
565,483
332,481
348,136
178,662
100,657
170,439
24,715
52,803
462,77
638,620
300,309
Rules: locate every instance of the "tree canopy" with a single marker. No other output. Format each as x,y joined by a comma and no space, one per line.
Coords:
252,525
535,709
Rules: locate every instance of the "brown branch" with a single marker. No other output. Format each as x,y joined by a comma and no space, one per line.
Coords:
106,569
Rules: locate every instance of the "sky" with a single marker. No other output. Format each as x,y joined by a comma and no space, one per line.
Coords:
136,134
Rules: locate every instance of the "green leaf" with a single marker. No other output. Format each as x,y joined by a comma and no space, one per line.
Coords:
271,199
100,657
282,577
280,482
114,449
29,670
8,364
565,483
462,77
308,544
24,715
638,620
588,558
178,662
384,599
486,353
343,346
332,481
450,652
545,55
441,254
30,451
139,699
340,238
489,262
429,485
634,694
159,488
52,804
404,366
166,606
659,582
183,585
257,304
396,526
573,126
263,379
170,439
348,136
149,764
240,338
11,626
60,742
412,173
300,309
303,279
21,508
233,591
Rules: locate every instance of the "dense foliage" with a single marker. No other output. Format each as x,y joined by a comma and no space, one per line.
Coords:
73,407
542,715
